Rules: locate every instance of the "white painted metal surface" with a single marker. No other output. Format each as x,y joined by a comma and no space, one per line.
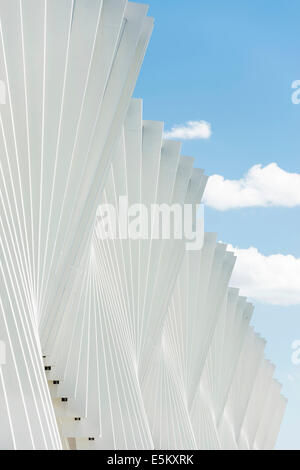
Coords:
69,68
145,345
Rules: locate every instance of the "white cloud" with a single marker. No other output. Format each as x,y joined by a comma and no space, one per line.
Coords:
190,131
261,187
273,279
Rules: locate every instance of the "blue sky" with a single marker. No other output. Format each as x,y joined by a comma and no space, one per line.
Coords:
232,63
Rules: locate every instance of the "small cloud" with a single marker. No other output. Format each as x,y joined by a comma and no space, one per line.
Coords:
260,187
273,279
192,130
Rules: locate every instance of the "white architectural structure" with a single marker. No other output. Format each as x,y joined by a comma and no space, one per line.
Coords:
144,344
69,68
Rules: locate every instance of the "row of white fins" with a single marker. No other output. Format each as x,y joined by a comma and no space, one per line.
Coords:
69,68
167,358
144,344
